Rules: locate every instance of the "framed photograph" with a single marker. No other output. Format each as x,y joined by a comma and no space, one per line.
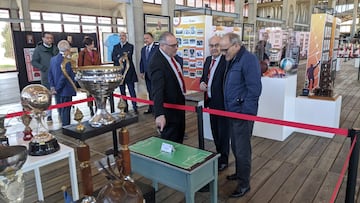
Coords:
29,39
109,40
156,24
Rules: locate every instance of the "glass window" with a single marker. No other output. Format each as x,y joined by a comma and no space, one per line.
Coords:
7,62
122,25
191,3
88,19
149,1
158,1
104,20
88,28
199,3
36,27
179,2
71,18
51,16
52,27
71,27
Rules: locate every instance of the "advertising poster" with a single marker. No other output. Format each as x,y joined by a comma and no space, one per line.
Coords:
319,48
192,34
33,73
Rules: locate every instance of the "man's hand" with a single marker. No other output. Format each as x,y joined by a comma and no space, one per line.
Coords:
203,86
142,75
160,122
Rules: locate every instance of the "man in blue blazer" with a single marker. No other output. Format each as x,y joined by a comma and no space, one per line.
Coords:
131,77
146,53
211,83
59,84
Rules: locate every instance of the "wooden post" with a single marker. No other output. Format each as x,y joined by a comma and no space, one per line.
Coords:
83,152
124,151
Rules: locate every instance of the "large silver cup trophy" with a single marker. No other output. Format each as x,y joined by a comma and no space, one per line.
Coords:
100,82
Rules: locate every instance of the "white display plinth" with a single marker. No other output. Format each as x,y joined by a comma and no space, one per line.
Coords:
357,61
339,62
206,123
277,100
318,112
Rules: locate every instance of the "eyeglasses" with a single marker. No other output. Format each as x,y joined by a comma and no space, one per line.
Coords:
173,45
213,45
226,50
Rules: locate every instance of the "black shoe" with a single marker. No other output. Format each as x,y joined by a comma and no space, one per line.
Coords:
136,112
91,111
206,188
232,177
240,191
148,112
49,119
222,167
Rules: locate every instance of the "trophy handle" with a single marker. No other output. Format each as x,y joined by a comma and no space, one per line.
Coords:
63,69
126,59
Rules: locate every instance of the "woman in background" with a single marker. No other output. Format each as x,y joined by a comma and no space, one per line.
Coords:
89,57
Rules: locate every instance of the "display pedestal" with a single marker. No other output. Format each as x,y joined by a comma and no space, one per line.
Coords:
339,63
277,100
357,61
323,112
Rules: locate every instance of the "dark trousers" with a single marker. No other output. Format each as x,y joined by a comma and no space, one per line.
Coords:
131,88
221,137
174,130
57,101
241,132
65,112
148,87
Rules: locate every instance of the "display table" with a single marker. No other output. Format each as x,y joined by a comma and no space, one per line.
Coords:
187,169
321,111
34,163
277,100
89,132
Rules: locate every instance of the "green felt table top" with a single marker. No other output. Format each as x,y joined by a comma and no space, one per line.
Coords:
184,156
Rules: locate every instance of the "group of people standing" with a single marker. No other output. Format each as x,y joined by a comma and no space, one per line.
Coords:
231,81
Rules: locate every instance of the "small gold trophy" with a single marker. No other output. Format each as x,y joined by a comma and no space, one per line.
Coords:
122,106
26,119
78,117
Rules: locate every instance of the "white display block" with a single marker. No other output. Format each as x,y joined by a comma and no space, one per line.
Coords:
277,100
206,123
318,112
357,61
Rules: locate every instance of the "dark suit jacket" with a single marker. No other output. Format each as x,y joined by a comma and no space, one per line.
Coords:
144,62
217,95
165,88
118,52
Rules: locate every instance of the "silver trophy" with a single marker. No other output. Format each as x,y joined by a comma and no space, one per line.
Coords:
37,99
100,82
12,158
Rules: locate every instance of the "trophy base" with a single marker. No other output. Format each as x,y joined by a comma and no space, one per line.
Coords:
40,148
102,117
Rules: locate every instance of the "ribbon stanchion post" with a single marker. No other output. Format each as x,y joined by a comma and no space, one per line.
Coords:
199,112
354,135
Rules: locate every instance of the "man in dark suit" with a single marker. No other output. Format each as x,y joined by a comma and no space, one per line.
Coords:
146,53
168,86
131,77
211,83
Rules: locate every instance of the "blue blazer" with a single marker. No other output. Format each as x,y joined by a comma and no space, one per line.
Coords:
58,80
144,62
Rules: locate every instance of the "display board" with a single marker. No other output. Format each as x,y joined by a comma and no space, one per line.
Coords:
184,156
192,34
319,49
23,53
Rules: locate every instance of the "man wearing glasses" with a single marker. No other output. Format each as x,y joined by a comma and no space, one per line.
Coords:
242,88
168,86
211,83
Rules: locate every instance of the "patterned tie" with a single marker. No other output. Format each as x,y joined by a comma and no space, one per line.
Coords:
179,74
